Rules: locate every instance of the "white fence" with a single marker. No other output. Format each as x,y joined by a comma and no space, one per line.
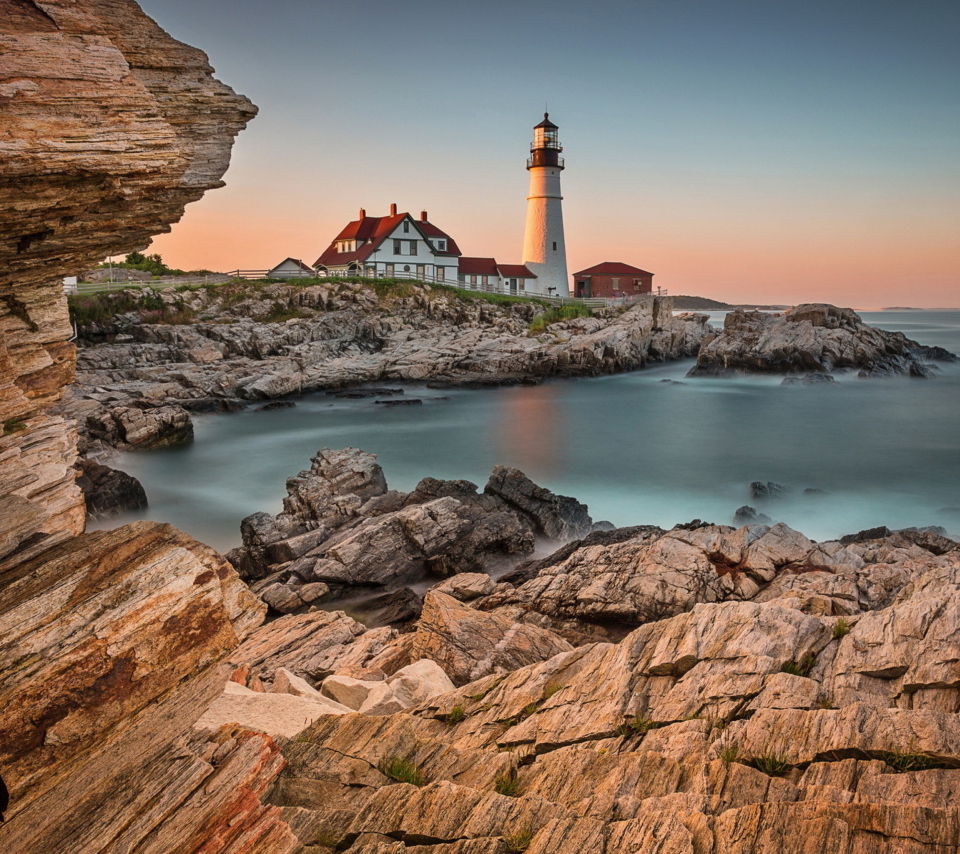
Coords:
161,282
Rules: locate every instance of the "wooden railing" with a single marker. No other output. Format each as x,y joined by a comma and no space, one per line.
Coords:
160,282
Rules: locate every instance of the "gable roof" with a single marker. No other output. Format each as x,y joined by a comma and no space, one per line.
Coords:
374,230
296,261
478,267
613,268
516,271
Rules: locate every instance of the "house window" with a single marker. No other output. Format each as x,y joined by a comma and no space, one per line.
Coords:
389,270
406,268
413,247
636,284
554,245
420,271
522,285
616,284
441,245
406,226
396,247
473,280
486,280
441,273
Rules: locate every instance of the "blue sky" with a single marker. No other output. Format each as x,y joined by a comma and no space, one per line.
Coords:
772,151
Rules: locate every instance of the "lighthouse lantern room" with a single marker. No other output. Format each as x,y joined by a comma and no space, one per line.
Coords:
544,252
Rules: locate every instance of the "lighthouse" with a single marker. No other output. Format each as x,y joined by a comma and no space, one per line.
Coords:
544,252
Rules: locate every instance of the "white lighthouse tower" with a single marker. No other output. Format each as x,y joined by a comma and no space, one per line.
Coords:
544,252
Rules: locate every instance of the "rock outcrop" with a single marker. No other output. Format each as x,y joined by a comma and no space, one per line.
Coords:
812,340
108,491
721,728
342,529
251,342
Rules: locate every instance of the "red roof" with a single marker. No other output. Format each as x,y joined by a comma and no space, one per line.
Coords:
515,271
612,268
374,230
478,267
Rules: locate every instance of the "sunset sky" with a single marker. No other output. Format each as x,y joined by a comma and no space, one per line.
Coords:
770,150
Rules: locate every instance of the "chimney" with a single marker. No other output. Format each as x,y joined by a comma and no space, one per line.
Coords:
363,213
423,216
393,210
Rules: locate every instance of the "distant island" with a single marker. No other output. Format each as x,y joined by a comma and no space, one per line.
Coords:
689,303
901,308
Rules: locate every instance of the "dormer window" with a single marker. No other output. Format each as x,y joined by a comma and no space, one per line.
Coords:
441,245
346,245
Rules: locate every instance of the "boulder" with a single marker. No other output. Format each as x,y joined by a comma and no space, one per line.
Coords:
556,516
466,586
420,681
347,691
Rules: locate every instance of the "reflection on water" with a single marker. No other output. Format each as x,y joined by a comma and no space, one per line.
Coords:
635,449
531,429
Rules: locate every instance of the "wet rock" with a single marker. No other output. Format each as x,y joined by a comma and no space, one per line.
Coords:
360,393
817,378
398,606
108,491
768,489
276,404
414,401
747,515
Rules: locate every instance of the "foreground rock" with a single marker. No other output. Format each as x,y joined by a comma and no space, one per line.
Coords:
108,491
812,340
342,529
722,728
338,334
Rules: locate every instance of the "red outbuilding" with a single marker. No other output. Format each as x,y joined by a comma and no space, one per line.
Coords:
612,279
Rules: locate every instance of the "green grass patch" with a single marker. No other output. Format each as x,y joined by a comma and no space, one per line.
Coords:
729,753
402,770
280,313
557,315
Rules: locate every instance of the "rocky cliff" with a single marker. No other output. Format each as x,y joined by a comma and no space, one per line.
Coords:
110,643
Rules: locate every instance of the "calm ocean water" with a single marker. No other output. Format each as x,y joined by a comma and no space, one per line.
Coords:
635,449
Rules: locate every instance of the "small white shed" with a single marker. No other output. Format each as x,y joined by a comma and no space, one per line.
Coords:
291,268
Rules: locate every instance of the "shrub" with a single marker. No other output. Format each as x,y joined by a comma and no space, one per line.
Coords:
280,313
772,764
802,667
840,628
402,770
641,724
551,689
507,784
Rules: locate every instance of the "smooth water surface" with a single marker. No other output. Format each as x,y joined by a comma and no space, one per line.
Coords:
635,449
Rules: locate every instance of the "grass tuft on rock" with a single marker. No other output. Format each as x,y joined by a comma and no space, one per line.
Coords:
772,764
519,841
558,315
507,784
802,667
402,770
840,628
455,715
903,763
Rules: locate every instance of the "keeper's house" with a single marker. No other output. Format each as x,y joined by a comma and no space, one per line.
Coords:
612,279
391,246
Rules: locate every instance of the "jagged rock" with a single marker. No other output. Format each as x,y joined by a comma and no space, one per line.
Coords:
768,489
139,428
418,682
748,515
399,606
810,338
348,691
108,491
558,516
466,643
